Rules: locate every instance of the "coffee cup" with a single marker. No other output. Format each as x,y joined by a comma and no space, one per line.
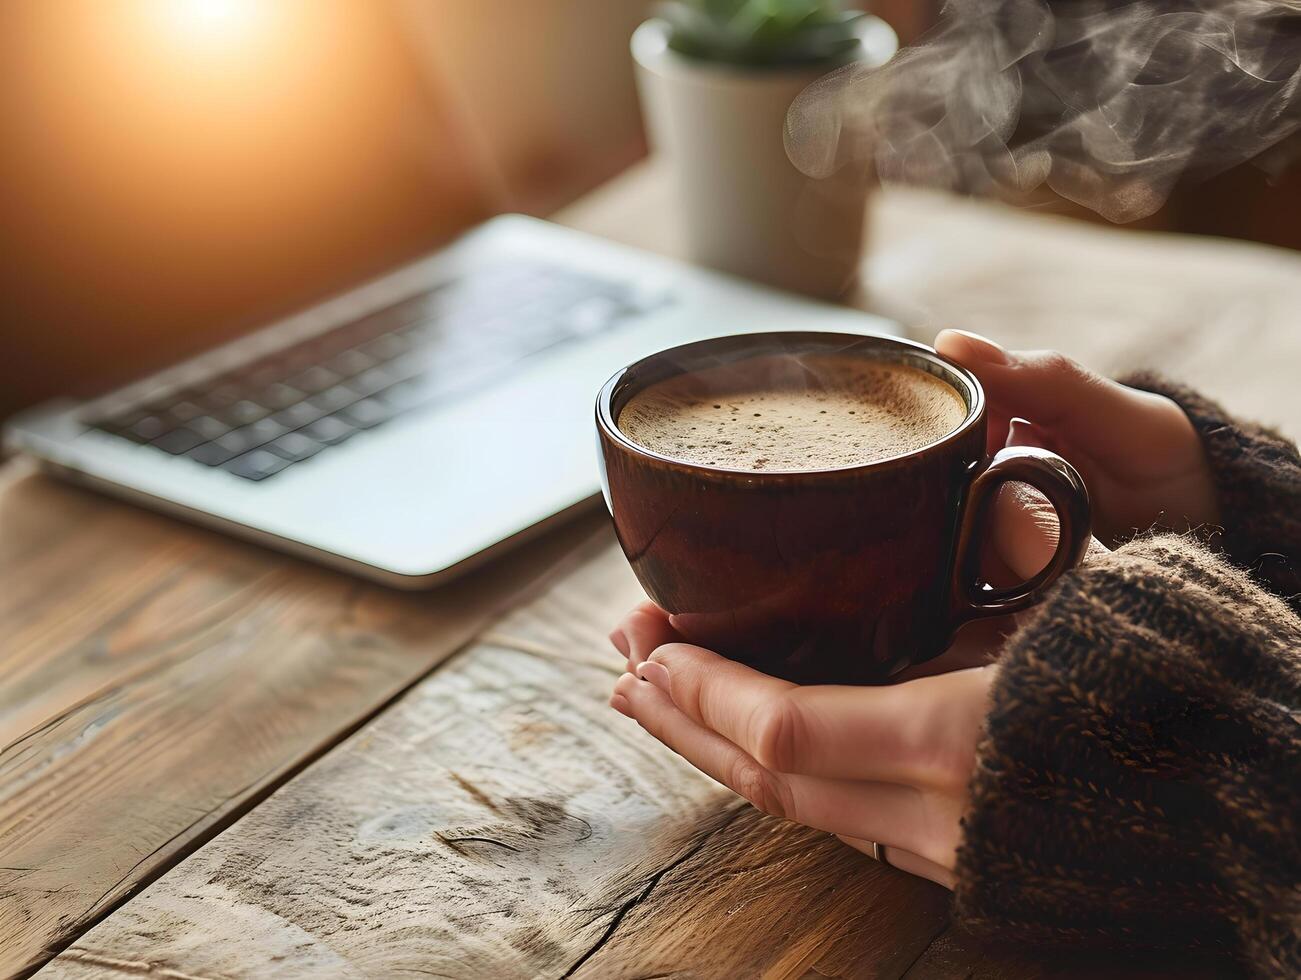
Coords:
814,504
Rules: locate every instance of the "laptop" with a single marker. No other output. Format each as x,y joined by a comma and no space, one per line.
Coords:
401,424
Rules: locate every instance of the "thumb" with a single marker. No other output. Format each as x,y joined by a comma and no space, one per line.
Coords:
1049,388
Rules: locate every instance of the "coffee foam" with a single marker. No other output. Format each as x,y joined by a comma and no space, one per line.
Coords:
793,412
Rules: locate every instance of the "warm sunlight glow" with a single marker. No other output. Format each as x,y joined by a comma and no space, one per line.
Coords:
211,19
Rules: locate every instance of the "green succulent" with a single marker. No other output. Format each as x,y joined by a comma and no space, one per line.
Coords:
761,32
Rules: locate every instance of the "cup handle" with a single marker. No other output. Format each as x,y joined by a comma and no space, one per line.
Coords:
1057,480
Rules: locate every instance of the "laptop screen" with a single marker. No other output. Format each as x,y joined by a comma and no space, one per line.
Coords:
176,172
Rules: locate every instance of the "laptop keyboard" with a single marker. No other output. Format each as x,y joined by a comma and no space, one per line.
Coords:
286,407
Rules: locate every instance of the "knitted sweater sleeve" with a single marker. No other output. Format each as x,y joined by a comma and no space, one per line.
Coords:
1258,481
1139,781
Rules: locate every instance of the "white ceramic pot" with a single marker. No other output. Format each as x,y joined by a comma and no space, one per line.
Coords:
748,210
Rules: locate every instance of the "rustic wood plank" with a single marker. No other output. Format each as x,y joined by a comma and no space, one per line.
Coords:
156,679
501,821
766,898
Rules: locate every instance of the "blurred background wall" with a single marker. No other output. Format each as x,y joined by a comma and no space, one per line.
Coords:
562,114
545,85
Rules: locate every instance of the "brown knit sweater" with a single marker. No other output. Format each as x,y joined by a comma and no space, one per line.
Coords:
1140,778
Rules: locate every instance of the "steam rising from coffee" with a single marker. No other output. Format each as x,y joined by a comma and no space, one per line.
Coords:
1106,103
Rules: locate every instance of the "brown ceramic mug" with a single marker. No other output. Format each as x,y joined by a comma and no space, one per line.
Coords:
842,575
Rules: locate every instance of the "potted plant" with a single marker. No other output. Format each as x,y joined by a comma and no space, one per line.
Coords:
716,78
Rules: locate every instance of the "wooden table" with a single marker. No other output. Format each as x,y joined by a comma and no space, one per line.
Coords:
220,762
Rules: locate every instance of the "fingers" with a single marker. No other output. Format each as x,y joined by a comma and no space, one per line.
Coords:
1050,389
1025,530
889,734
724,696
971,350
1043,385
881,811
897,857
643,629
708,751
619,639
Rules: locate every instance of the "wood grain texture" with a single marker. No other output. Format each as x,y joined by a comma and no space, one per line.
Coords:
771,899
155,679
501,821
